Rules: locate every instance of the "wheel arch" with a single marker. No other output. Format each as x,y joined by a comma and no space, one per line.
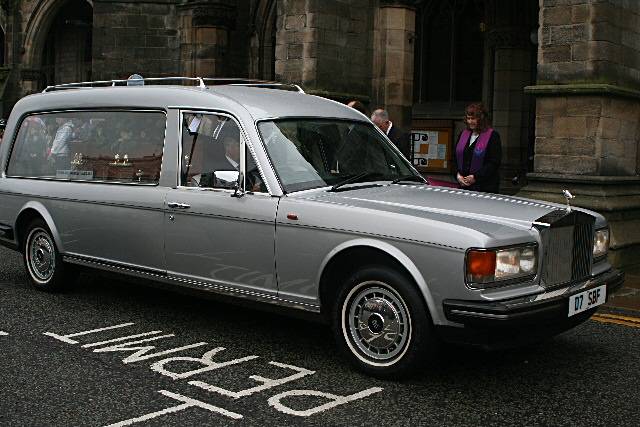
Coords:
354,254
28,213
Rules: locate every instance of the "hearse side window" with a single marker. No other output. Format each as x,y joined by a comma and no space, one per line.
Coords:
211,153
105,146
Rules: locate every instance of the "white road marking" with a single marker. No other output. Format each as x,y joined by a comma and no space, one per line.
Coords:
3,333
336,400
206,360
188,403
267,383
65,338
122,344
98,344
140,352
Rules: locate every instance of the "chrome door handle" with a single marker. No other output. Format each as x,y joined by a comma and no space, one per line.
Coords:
175,205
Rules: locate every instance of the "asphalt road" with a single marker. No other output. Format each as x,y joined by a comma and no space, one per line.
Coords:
56,370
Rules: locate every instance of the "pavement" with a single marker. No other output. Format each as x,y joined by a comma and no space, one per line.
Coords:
627,299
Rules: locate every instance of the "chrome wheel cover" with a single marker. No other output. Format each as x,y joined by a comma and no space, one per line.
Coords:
376,323
41,255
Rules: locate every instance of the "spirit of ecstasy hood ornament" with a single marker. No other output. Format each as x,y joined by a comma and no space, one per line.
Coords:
567,195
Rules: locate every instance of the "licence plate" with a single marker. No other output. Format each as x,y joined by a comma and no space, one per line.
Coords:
587,299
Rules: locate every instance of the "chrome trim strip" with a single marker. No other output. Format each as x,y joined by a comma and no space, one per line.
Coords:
146,208
360,233
478,314
162,276
61,199
85,181
551,294
242,293
106,264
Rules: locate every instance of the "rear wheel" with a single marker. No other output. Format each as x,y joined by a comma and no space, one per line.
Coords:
42,259
382,324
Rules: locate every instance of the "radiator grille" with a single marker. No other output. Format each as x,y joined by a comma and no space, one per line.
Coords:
567,247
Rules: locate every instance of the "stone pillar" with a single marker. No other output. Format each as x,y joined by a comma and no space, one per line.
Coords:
393,55
512,56
204,36
588,114
325,46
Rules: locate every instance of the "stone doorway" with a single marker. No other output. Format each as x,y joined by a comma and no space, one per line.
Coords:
263,41
476,51
66,55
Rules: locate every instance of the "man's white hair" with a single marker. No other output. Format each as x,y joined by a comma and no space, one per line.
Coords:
381,115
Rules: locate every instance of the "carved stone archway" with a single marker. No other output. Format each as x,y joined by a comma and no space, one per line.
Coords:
36,31
263,33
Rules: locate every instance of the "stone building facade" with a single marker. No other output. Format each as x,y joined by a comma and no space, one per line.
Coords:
561,78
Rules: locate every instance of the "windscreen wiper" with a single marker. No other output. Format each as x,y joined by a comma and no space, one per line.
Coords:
354,178
415,178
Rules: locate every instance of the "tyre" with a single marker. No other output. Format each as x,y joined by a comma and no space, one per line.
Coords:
382,324
42,260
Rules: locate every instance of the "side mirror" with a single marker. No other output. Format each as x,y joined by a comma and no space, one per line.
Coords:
225,179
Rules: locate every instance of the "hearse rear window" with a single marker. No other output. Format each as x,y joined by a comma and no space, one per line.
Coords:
105,146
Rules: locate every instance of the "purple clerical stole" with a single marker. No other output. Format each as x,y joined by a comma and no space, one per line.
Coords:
479,149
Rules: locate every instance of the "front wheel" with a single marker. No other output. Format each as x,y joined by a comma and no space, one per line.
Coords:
382,324
42,259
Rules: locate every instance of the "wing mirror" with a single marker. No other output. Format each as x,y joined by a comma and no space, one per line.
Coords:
224,179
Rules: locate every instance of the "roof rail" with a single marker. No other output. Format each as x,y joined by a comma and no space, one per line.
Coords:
163,80
122,82
268,84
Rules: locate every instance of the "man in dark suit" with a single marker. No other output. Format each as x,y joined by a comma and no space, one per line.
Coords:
380,118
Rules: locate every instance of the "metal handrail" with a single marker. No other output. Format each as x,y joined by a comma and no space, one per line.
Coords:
201,83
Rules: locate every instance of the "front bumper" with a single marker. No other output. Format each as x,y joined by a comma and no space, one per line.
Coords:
538,315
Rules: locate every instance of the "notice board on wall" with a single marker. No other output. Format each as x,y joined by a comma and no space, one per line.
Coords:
431,148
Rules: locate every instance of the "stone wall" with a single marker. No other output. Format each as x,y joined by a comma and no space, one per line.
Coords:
135,37
590,40
393,59
325,45
587,135
588,114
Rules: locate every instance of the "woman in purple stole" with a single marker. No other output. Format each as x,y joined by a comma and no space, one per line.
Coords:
478,152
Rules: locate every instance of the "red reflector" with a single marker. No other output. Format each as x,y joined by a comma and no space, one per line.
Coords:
292,217
481,263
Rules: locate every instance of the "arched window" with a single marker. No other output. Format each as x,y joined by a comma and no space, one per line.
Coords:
449,56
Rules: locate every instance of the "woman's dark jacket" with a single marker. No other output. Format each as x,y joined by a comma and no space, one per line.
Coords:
488,176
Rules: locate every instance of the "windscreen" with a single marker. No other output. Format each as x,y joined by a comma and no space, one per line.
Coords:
312,153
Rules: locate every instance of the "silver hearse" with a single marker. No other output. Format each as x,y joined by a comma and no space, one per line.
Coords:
273,195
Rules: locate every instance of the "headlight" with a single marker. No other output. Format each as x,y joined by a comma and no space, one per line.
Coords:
487,266
601,243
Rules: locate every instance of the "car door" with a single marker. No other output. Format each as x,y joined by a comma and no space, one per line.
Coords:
102,190
217,236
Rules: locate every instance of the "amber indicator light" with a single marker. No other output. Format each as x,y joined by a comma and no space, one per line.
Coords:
481,263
